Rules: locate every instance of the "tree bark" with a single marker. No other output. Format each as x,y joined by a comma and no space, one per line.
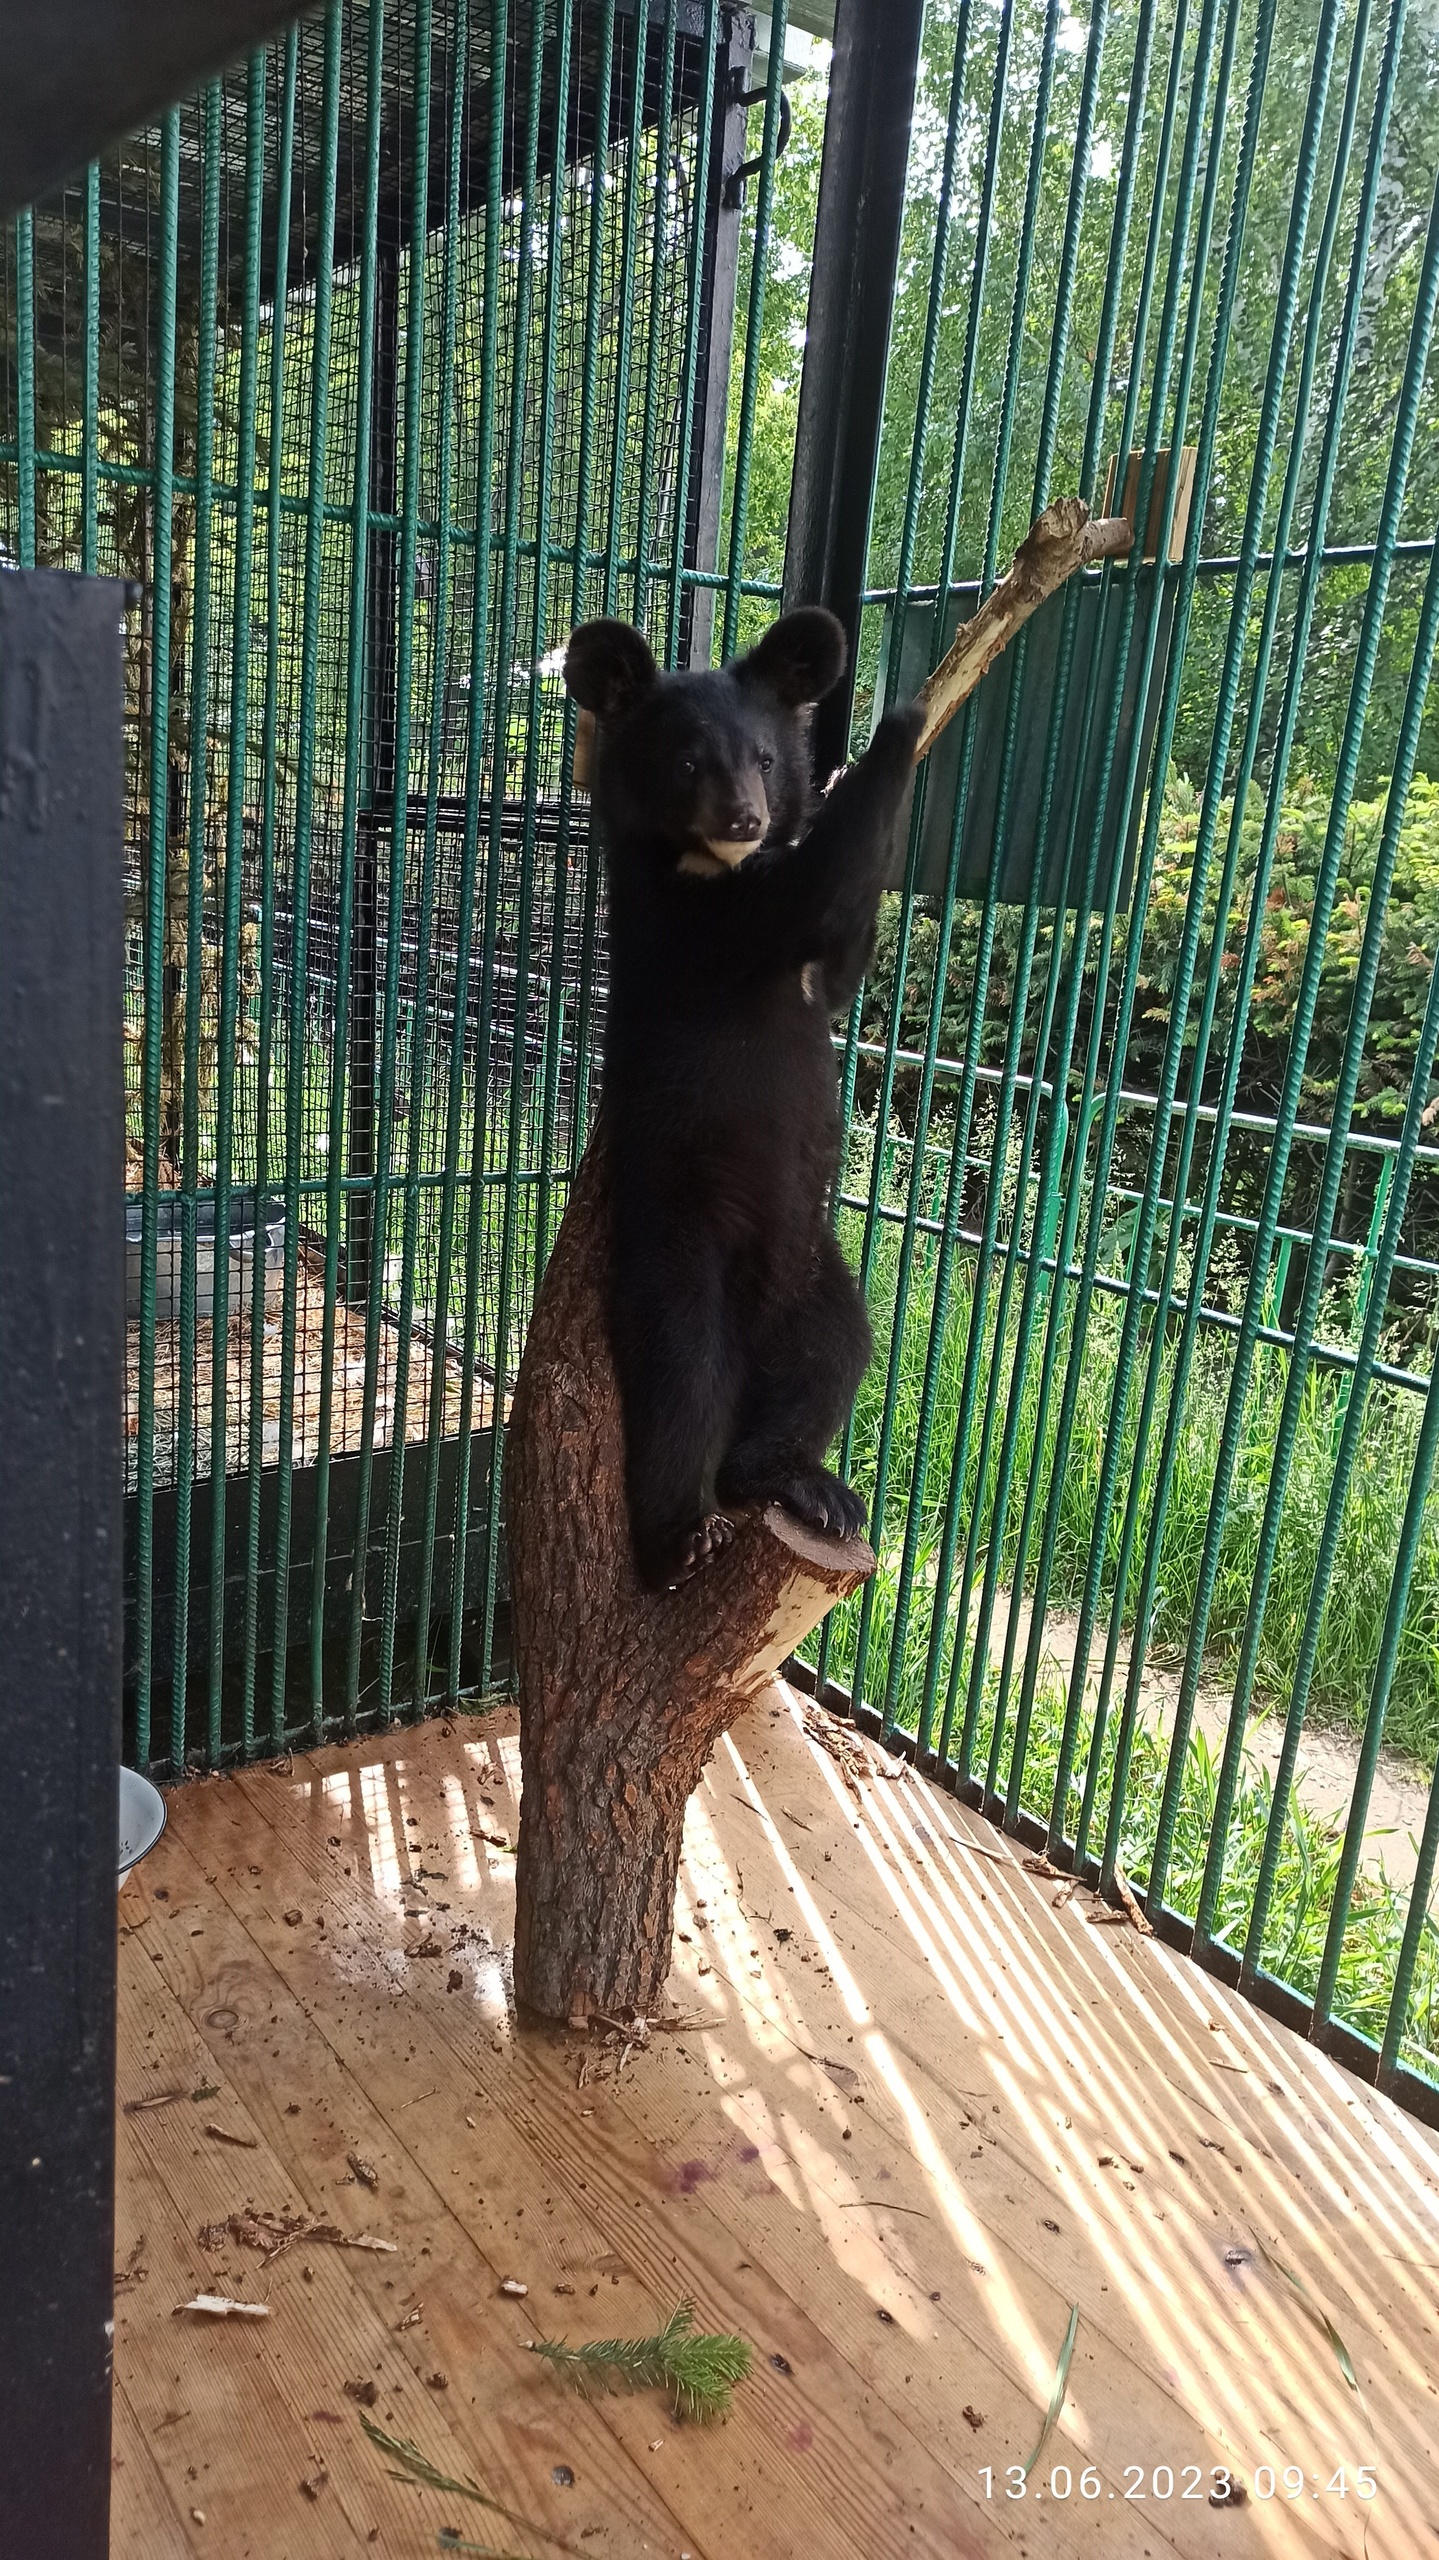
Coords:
1065,538
623,1692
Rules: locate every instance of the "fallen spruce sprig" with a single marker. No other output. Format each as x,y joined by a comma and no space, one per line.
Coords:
698,2369
417,2468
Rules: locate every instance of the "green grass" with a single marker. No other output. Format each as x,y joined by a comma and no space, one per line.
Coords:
1349,1635
1359,1590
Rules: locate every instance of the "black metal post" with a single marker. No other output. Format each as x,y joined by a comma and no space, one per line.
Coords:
719,279
856,257
381,602
62,1370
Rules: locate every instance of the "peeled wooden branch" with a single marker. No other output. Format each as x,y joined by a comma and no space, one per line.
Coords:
623,1692
1065,538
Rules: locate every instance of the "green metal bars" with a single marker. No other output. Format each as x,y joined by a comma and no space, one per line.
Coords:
377,366
406,347
1148,1341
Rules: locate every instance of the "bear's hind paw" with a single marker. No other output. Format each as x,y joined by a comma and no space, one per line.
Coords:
687,1554
824,1503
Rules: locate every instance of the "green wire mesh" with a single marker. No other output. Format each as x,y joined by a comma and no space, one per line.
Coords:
1141,1170
376,366
1153,1269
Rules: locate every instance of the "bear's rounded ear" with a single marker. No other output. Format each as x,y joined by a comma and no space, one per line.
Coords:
608,668
801,659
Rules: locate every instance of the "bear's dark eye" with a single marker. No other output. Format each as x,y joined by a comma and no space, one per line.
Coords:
687,764
765,762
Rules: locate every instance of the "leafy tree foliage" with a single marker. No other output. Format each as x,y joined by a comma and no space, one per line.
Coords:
977,287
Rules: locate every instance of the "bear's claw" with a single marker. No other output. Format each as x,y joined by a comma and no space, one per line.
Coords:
696,1548
823,1503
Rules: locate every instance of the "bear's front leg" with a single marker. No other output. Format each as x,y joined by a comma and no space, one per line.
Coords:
677,1372
854,836
818,899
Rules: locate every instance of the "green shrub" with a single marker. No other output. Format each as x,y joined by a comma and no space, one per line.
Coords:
1411,940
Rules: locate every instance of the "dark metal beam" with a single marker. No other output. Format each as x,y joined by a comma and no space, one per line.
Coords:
81,73
856,257
62,1372
719,271
565,135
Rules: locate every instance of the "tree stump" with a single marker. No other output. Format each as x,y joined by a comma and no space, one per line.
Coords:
623,1692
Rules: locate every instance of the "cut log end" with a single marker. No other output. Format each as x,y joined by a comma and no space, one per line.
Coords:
847,1560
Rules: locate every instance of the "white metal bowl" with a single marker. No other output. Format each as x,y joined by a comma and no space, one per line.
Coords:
142,1818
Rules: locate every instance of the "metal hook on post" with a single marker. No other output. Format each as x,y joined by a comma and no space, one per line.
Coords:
734,183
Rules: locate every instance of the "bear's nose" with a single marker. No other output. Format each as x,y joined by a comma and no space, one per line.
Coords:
744,824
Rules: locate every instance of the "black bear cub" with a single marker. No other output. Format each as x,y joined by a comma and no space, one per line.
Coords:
741,916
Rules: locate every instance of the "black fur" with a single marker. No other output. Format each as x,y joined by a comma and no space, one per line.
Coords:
739,1333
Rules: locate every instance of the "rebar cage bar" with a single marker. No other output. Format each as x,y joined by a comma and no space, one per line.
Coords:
1151,1258
379,365
404,347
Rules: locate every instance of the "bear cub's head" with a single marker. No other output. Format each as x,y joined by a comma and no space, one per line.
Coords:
704,767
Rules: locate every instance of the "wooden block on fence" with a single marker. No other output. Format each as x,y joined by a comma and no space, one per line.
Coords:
1183,496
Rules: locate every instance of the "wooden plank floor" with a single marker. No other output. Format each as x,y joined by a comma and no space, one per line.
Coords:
922,2114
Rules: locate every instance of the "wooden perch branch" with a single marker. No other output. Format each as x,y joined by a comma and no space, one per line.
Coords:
623,1692
1065,538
